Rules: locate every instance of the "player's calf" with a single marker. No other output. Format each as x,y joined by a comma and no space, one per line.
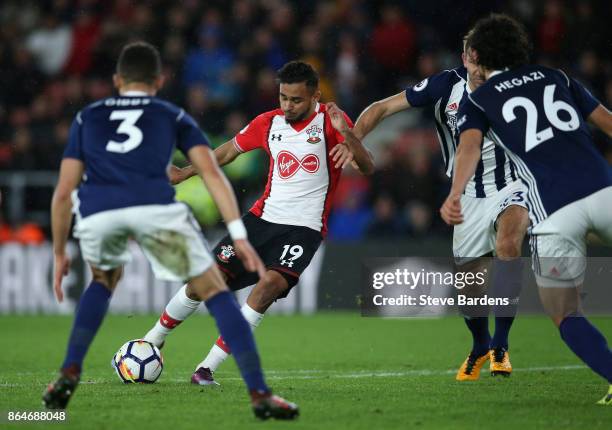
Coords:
270,288
108,278
512,225
90,313
560,302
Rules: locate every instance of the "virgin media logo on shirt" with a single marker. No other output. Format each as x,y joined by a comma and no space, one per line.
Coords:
288,164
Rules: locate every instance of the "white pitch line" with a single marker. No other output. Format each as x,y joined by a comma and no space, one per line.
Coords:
323,374
423,372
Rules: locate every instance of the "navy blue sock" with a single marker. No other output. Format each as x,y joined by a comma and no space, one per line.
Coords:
479,326
506,284
588,344
502,330
237,334
89,316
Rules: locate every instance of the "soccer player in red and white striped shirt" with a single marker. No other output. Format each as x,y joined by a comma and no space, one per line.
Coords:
308,144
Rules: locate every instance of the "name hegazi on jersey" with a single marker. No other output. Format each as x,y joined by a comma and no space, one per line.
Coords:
518,81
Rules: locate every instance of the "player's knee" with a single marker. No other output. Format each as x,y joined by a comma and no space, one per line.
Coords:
560,303
508,246
274,281
108,278
558,318
191,293
206,285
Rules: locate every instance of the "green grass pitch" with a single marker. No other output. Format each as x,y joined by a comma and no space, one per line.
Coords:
345,372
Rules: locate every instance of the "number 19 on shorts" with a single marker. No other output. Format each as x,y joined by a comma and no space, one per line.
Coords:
294,252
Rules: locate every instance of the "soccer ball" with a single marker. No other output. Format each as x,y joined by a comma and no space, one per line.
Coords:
138,361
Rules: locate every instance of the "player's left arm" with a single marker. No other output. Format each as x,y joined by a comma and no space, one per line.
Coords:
602,119
225,154
204,160
71,172
361,156
179,174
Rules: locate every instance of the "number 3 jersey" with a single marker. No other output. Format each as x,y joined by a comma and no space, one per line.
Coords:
538,116
126,144
302,177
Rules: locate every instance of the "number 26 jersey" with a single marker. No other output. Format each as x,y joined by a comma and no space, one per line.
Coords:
538,116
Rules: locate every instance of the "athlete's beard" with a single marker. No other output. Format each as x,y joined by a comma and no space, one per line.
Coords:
298,118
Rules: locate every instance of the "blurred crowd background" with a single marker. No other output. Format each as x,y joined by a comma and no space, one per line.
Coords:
220,59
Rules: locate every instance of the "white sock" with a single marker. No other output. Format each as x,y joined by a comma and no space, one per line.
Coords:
178,309
218,354
252,316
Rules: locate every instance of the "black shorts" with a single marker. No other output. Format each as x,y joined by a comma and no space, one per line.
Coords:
286,249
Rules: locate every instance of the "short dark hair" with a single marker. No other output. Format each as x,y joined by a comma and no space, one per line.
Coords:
295,72
500,41
139,62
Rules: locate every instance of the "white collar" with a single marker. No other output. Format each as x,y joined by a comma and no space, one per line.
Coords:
497,72
134,94
467,85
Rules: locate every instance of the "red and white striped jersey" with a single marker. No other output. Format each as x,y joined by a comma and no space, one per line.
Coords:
302,177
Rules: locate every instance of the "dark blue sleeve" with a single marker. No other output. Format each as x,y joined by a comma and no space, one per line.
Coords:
74,149
189,133
428,91
470,116
585,101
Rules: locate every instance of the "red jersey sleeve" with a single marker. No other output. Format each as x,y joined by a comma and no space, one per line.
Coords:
253,136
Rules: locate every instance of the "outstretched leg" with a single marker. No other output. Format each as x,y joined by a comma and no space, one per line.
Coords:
583,338
268,289
236,332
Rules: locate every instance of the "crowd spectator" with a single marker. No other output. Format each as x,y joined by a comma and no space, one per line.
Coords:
220,59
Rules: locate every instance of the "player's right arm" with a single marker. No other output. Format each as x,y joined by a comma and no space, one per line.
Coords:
377,111
70,175
71,172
